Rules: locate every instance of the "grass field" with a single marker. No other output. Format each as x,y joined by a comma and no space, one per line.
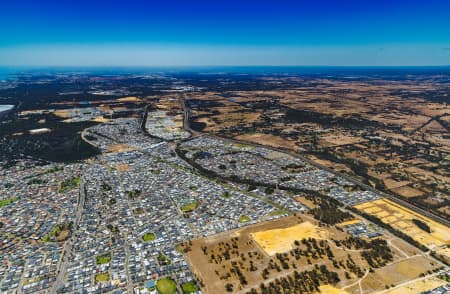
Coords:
69,184
190,287
104,258
401,218
166,286
244,219
164,260
103,277
148,237
8,201
282,240
189,207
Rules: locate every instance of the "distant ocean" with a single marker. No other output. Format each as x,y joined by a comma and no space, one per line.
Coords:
339,71
5,73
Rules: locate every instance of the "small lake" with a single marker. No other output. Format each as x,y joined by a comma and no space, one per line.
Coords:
6,107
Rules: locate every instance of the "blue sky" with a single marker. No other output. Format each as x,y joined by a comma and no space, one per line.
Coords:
158,33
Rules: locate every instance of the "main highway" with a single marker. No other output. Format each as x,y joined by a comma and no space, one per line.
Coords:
68,247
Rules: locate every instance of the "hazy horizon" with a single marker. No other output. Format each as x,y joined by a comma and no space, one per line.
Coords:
224,33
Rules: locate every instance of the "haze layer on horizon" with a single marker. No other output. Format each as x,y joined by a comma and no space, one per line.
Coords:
193,33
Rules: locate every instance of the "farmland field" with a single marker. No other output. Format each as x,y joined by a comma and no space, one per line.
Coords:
401,218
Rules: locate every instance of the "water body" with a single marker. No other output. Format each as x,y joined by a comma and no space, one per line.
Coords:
6,73
6,107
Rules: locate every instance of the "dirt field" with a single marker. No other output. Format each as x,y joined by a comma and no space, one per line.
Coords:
397,273
330,164
129,99
122,167
401,218
63,235
229,118
101,119
393,184
269,140
335,140
63,113
445,209
305,202
276,155
418,286
328,289
407,191
282,240
119,148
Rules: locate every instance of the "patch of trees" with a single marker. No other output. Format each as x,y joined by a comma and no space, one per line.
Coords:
185,247
283,258
269,190
106,187
359,243
37,182
56,233
422,225
197,126
62,144
353,267
225,251
314,249
163,260
133,193
300,282
229,287
113,228
327,211
293,168
443,259
69,184
328,120
237,271
378,254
